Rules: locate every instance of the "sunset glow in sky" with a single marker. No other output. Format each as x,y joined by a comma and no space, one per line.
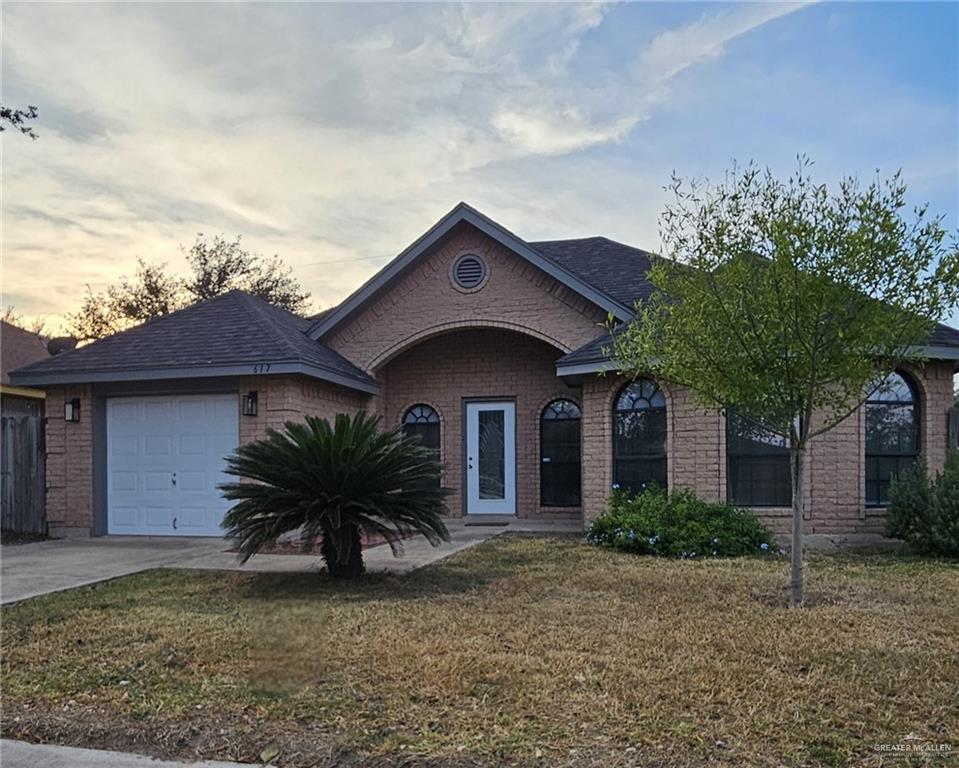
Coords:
334,135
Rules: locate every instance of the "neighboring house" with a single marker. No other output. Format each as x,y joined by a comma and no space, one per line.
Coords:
21,435
19,347
491,349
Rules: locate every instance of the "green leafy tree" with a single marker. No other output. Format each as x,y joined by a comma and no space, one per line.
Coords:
788,302
224,265
153,292
215,268
334,482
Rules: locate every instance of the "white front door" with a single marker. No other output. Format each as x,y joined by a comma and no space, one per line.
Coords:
165,459
491,458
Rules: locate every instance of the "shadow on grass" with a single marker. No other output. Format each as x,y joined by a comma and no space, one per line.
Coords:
448,577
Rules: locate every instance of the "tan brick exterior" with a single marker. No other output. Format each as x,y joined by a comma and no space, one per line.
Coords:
427,341
70,472
516,296
69,463
696,454
290,398
445,370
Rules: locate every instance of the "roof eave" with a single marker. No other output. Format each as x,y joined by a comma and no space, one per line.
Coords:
464,213
605,365
40,379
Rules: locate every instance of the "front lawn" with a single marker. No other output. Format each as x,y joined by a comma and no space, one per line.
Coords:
520,651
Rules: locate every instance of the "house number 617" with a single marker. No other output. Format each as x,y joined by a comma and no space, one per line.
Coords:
261,368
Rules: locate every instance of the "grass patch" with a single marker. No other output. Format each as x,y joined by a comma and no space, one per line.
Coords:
530,651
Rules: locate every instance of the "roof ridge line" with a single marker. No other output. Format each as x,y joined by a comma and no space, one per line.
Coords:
253,302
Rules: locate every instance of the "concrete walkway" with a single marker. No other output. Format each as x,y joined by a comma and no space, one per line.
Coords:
19,754
29,570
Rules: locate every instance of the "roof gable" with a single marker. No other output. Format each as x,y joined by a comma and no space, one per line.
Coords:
464,213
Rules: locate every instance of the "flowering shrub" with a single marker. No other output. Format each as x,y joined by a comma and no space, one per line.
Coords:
678,524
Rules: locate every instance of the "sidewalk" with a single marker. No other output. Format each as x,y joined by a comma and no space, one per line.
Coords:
19,754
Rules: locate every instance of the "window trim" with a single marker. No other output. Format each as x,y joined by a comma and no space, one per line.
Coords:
542,421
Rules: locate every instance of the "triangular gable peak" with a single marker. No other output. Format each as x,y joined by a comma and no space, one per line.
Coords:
463,213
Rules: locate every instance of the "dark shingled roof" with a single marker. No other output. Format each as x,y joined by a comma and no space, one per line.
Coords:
617,270
18,347
592,352
620,271
234,329
944,336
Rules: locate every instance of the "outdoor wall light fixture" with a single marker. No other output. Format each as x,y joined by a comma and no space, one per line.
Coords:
71,410
250,404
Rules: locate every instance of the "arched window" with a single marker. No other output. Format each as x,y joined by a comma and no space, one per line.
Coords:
560,483
757,464
423,422
892,435
639,436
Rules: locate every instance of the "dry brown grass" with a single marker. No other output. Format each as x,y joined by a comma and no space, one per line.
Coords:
523,651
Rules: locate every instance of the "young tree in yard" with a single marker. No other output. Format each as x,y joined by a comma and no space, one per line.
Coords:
789,303
215,268
334,482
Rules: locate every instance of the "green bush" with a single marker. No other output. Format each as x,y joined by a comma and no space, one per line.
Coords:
925,512
678,524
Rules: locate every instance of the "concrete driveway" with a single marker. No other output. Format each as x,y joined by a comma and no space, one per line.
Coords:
28,570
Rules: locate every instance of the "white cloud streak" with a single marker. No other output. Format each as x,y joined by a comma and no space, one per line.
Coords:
320,132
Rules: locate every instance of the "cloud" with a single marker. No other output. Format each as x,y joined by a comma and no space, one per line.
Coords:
546,132
676,50
331,134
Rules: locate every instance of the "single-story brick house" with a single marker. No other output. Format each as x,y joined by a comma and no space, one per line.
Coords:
489,347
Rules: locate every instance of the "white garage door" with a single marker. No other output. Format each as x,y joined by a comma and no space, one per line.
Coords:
165,459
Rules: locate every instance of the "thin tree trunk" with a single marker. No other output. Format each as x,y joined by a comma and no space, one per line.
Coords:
799,503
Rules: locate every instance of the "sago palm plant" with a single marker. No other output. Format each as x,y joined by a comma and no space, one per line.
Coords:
333,482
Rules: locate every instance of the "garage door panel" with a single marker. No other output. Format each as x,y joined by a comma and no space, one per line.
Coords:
157,411
124,413
192,518
124,481
192,445
192,481
165,462
124,516
124,446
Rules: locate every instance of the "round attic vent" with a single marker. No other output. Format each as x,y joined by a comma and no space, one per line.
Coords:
469,271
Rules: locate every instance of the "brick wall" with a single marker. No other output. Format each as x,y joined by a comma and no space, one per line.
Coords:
290,398
70,444
697,455
425,302
69,464
491,363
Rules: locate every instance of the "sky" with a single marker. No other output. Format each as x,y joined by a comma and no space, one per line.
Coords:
334,135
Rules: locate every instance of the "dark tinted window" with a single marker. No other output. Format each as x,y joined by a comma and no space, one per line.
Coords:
892,435
639,436
424,422
560,472
757,465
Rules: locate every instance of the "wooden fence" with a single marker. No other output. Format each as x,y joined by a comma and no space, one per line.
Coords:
22,474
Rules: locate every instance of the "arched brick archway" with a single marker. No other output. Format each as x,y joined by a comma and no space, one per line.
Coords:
452,364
